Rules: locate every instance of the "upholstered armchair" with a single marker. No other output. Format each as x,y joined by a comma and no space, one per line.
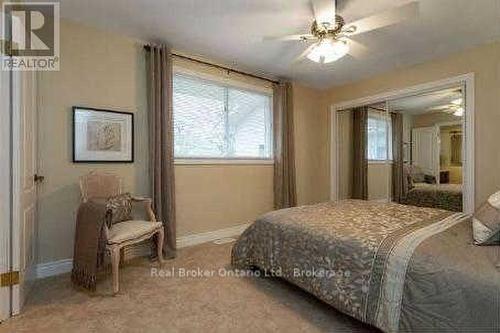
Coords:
125,233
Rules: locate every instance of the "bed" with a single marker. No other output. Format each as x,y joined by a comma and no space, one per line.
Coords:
443,196
399,268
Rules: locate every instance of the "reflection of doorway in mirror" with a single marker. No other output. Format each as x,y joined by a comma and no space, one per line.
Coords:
425,153
451,154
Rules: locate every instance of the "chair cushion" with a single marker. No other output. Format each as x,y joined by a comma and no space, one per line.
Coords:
127,230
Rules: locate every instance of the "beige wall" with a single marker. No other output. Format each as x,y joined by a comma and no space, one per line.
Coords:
97,70
213,197
379,181
484,61
104,70
311,146
455,174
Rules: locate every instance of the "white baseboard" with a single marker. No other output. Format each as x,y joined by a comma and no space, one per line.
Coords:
210,236
64,266
53,268
144,249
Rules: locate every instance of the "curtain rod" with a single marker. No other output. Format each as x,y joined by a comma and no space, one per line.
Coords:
381,110
219,66
378,109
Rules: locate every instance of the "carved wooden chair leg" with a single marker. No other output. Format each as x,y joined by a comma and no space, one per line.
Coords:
115,265
122,257
159,246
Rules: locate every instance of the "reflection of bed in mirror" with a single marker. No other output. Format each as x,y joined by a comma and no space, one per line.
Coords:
435,176
443,196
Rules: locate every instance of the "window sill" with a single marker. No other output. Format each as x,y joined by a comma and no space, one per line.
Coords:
189,161
379,162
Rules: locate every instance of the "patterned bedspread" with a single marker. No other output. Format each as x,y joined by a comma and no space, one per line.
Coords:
352,254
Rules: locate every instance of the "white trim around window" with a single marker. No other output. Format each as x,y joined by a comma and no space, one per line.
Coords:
264,155
212,161
379,162
225,81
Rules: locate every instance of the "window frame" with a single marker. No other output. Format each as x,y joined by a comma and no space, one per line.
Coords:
232,85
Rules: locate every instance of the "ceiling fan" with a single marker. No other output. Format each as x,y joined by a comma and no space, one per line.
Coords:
455,107
330,33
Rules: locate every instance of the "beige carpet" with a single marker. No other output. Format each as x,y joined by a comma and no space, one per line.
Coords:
154,304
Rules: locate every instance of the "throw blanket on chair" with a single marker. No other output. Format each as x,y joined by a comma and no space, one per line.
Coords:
90,243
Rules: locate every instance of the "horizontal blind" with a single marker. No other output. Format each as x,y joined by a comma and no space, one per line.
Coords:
379,136
220,122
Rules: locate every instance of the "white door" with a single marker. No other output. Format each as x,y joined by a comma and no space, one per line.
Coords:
18,192
5,189
425,150
24,184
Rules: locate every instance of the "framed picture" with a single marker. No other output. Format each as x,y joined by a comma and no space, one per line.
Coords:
102,136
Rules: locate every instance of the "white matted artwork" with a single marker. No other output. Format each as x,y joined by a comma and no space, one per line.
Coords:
102,135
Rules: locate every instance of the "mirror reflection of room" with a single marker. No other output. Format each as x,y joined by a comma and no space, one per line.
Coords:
407,150
432,137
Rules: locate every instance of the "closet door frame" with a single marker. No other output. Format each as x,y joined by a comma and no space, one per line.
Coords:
465,82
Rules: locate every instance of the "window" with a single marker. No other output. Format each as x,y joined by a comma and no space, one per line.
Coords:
214,121
379,136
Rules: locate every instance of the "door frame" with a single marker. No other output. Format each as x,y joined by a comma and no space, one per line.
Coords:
5,194
466,82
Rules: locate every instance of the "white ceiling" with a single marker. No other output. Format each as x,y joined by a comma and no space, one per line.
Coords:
231,31
425,103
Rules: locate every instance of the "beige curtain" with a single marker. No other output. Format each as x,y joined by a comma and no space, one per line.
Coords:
161,141
456,148
285,194
398,175
360,153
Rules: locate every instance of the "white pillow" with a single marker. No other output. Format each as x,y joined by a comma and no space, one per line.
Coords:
486,222
494,200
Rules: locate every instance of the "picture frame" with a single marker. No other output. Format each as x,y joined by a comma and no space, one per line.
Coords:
102,136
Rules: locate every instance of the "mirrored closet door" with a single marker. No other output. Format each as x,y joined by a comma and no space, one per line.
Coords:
407,150
432,138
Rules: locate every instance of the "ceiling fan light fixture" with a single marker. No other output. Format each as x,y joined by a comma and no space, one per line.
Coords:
328,50
459,112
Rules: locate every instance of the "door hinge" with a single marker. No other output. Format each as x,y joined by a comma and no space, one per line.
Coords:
9,279
6,47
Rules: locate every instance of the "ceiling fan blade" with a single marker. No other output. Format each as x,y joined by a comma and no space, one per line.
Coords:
439,107
324,11
289,37
356,49
303,55
384,19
